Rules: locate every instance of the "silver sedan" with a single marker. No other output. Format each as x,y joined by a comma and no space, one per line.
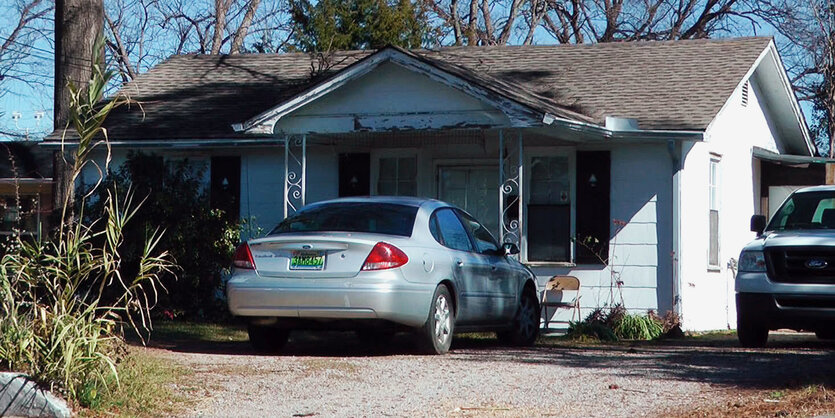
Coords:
379,265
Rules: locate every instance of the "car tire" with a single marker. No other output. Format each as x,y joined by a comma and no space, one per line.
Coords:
525,326
267,339
751,332
440,324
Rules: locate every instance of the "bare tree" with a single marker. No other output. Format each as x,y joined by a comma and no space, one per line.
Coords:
143,32
488,22
808,34
21,60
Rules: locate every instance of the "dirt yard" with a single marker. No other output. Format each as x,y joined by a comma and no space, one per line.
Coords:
334,375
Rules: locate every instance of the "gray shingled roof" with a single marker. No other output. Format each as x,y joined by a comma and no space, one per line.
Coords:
673,85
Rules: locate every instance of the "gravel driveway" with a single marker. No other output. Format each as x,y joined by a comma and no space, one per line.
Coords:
333,375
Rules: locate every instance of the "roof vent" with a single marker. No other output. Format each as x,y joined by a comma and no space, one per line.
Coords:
621,124
745,94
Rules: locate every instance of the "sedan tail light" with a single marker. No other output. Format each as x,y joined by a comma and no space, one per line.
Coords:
384,256
243,258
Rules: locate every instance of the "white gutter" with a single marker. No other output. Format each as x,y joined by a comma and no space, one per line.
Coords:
176,143
598,130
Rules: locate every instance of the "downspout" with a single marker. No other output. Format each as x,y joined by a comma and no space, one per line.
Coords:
674,148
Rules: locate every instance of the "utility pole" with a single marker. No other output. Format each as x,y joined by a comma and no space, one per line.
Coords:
78,24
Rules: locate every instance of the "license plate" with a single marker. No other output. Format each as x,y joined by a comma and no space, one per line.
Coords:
302,260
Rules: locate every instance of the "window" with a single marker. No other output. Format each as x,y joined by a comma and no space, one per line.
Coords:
809,210
452,233
376,218
484,241
23,218
549,209
714,198
398,176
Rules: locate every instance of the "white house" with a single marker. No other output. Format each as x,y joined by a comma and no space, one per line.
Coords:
652,148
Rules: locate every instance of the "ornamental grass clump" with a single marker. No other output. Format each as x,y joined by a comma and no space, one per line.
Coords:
66,300
616,323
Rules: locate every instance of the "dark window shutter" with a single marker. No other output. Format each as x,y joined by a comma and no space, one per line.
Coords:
593,211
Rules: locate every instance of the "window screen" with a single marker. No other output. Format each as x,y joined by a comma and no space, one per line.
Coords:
398,176
549,210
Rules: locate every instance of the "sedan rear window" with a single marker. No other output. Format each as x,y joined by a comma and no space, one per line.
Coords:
375,218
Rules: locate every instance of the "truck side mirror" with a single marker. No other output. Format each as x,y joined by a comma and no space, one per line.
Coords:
758,224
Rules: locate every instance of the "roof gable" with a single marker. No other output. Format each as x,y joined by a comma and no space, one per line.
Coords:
521,109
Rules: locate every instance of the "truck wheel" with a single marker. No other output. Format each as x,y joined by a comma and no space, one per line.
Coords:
751,332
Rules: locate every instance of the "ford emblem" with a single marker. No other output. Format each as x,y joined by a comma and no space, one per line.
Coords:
816,263
308,246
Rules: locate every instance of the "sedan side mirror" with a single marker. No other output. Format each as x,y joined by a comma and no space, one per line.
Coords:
510,248
758,224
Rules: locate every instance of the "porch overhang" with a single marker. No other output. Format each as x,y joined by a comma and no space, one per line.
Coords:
786,159
512,108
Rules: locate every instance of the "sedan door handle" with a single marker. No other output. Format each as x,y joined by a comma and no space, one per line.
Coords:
459,262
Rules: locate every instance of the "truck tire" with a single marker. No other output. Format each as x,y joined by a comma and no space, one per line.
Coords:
751,331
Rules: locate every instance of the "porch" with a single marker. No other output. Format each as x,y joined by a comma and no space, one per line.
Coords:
529,188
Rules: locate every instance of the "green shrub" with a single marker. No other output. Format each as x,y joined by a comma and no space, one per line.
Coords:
202,240
615,324
590,331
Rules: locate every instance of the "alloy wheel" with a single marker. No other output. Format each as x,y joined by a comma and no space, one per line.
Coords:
443,319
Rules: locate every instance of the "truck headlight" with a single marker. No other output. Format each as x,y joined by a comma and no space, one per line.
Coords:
752,261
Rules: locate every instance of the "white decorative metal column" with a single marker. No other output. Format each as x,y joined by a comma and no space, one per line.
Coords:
295,173
511,170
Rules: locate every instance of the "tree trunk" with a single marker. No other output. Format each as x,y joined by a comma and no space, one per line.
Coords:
240,34
78,23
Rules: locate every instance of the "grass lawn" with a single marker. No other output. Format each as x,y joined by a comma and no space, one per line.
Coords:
152,385
146,388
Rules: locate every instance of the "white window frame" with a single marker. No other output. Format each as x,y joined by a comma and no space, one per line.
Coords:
714,202
38,219
529,154
376,156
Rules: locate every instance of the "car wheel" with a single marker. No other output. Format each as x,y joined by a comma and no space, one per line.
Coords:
525,327
437,332
751,332
267,339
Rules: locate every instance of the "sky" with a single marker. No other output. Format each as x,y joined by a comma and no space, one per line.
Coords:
26,107
26,90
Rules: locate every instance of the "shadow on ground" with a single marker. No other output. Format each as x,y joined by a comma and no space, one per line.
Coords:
791,359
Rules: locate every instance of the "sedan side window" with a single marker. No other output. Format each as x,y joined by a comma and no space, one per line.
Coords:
483,238
452,233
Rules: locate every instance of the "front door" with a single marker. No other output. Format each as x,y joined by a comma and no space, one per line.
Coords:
474,189
354,174
225,192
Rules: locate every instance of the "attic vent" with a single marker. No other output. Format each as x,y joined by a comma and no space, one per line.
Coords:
745,94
